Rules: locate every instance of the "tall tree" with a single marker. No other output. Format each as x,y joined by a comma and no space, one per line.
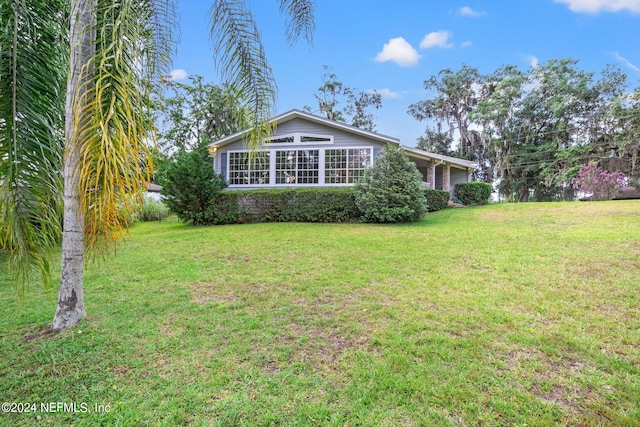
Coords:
196,114
456,96
333,92
436,141
541,125
116,49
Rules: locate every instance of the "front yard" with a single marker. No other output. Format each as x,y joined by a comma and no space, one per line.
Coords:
524,314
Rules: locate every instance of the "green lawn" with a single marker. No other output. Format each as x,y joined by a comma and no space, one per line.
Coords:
512,314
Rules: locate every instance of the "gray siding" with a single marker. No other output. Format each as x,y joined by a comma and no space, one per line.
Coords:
458,176
340,138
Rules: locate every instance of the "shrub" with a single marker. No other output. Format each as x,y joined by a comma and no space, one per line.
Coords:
391,190
473,193
190,186
602,185
436,199
152,210
284,205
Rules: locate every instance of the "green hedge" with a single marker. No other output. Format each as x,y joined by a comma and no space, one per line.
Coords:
473,193
436,199
285,205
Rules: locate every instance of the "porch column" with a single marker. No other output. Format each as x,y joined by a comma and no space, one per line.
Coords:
446,178
430,174
433,174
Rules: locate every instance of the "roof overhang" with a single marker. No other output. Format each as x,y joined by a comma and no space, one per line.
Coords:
453,161
298,114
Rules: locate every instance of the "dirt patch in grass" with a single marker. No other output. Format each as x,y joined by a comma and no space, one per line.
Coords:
590,270
320,348
208,292
120,370
46,331
553,380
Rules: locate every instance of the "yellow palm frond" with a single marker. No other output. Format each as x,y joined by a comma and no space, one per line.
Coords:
115,163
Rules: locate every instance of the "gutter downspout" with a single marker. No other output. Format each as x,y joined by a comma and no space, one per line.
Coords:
433,174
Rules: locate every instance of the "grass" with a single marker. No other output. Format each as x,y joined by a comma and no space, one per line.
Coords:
513,314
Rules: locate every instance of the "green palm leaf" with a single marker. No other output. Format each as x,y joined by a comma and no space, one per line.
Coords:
301,22
32,78
240,57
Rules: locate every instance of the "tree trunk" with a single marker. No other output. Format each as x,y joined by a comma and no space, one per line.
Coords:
82,42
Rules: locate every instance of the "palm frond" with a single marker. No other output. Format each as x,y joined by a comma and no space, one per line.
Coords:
240,57
133,44
33,56
301,19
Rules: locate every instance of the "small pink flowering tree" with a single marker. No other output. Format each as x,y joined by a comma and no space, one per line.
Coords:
601,184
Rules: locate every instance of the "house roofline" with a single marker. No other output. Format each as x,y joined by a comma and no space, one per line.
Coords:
454,161
292,114
295,113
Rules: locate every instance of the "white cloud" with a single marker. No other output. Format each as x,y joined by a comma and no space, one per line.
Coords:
467,11
436,39
467,43
398,50
387,93
532,60
626,62
178,74
595,6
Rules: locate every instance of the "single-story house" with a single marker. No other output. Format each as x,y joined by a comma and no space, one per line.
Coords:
153,192
306,150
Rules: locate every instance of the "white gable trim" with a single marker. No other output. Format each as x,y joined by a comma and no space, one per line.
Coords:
293,114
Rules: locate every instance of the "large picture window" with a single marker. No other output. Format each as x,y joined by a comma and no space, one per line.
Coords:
297,166
246,170
347,165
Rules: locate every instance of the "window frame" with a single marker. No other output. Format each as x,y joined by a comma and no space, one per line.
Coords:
348,177
297,139
250,171
298,172
272,171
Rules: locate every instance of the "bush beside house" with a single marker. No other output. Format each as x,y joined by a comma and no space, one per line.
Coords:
473,193
190,186
391,190
436,199
284,205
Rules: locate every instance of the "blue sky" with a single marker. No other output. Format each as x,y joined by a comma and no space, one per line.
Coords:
393,46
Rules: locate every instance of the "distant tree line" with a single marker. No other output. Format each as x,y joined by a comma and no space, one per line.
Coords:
530,131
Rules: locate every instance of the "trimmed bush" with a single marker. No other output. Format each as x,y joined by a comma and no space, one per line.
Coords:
190,187
391,190
285,205
473,193
436,199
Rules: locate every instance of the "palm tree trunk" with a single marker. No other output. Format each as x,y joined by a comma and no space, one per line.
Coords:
82,42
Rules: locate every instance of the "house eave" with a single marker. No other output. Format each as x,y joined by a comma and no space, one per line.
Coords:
453,161
293,114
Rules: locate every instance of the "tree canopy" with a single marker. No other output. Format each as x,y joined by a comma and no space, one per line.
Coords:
532,130
333,92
